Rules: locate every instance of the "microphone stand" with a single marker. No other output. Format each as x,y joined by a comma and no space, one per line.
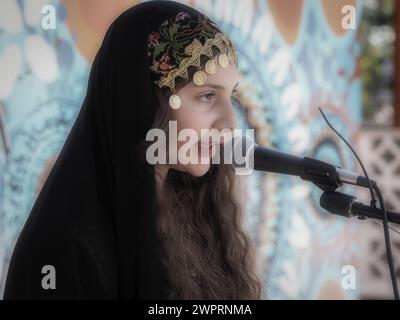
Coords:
345,205
368,211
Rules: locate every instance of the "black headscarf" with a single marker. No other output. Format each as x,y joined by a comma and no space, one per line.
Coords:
94,219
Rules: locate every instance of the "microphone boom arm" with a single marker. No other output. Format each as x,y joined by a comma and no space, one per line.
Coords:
345,205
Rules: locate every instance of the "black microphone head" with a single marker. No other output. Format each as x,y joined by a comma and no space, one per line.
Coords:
239,152
337,203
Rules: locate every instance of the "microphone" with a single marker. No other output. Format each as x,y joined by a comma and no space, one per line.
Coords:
345,205
326,176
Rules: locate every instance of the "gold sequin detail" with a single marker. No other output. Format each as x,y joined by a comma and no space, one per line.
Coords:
220,41
175,101
199,78
211,67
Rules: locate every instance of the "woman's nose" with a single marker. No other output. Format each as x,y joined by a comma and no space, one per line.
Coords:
227,117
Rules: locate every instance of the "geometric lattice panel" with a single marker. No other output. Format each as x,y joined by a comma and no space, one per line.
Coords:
380,152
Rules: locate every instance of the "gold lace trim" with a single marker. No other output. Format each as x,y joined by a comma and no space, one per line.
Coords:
194,60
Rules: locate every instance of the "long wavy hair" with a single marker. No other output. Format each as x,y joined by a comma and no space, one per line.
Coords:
205,250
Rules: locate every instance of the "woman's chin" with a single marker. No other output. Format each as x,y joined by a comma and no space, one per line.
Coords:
197,170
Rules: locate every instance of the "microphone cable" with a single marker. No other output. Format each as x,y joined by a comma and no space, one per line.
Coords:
372,187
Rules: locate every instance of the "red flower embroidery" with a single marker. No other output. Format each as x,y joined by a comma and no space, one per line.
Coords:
164,63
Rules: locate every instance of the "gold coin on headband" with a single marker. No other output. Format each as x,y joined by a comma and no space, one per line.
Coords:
175,101
223,60
211,67
199,78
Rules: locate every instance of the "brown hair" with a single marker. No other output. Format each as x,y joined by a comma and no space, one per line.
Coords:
206,253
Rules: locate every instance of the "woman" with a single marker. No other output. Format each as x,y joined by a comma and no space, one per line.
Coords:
108,224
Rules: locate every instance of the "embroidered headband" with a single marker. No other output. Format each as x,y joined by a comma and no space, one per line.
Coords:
179,44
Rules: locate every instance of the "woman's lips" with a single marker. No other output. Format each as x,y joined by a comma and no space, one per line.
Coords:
206,149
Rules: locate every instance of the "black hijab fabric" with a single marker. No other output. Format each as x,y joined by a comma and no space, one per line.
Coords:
94,219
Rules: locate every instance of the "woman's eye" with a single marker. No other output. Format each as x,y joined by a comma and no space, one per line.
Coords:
207,97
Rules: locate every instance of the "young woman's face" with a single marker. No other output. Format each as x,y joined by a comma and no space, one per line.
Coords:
206,107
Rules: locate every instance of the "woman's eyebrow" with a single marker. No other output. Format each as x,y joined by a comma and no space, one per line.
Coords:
217,86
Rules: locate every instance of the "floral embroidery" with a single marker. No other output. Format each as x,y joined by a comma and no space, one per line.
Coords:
181,16
176,40
189,48
154,38
165,64
173,42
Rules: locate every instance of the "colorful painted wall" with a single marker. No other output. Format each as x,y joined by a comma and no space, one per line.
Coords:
294,56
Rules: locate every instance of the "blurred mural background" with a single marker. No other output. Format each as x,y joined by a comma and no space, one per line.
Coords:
294,56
